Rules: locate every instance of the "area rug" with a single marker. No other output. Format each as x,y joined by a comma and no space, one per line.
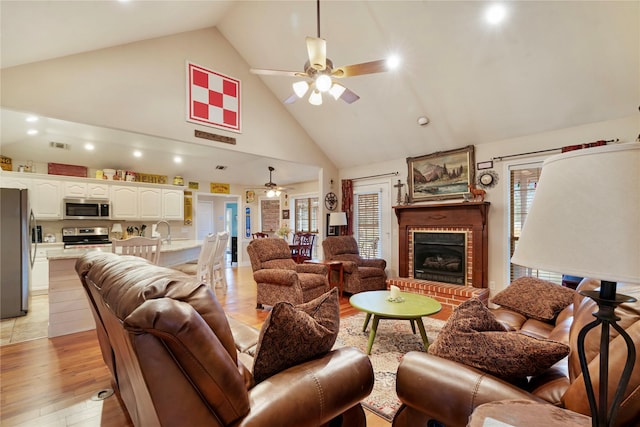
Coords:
394,339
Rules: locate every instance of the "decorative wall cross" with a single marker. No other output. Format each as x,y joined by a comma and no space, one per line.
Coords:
399,186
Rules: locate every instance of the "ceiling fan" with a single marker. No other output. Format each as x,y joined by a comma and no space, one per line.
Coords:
320,71
271,187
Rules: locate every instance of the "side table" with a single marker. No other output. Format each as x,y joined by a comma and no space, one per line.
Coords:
331,266
518,413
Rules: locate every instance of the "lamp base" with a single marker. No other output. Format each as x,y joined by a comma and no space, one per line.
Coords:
607,300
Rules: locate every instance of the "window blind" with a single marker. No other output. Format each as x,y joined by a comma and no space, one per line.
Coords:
523,187
367,224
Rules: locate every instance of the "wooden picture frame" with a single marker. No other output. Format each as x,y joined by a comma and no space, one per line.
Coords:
285,214
441,175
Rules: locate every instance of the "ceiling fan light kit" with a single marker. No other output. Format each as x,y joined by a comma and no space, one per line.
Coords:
319,69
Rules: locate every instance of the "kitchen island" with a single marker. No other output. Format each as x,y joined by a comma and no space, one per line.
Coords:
69,310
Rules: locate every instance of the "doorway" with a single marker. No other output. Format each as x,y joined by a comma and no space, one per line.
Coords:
231,226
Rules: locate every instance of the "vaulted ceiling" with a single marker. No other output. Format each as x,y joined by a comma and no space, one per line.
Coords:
547,66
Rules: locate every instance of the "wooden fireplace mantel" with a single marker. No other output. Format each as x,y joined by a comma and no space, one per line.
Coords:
472,215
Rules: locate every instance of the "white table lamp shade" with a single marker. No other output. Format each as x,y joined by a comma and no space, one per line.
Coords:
116,228
337,218
585,217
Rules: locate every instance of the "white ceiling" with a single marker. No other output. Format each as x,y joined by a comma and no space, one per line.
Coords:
549,65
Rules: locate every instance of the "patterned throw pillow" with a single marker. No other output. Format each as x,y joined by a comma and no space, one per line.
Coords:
535,298
472,336
294,334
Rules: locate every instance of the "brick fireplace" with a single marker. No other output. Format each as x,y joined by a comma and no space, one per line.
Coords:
443,250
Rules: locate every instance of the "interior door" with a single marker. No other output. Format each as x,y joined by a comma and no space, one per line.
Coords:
204,218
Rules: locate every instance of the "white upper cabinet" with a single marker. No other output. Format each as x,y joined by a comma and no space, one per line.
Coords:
124,202
15,180
46,202
75,189
149,203
97,191
172,204
90,190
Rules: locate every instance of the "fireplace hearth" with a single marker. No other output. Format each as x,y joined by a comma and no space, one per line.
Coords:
440,256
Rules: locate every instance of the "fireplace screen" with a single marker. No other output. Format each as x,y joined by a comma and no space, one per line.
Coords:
440,256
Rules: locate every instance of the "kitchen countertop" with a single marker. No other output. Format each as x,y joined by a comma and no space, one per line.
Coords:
175,246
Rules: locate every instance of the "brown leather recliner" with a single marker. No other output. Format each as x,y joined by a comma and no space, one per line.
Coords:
360,274
279,278
174,361
433,389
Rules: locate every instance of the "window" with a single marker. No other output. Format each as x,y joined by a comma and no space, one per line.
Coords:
367,224
523,187
306,215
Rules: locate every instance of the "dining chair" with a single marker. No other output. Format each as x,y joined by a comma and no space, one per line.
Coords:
218,274
302,249
143,247
203,270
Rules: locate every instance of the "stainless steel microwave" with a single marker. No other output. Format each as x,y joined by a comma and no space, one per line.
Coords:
87,209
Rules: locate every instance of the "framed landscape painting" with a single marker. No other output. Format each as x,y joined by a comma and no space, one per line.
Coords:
441,175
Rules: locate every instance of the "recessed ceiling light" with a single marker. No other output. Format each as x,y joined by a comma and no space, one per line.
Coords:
32,132
31,119
137,153
177,159
495,13
88,146
393,62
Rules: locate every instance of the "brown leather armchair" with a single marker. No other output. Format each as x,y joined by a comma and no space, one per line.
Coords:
175,358
439,392
360,274
279,278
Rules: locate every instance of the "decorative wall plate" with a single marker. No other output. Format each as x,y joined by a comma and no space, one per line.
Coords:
487,179
331,201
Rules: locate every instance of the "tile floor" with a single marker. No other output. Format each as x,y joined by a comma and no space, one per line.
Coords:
32,326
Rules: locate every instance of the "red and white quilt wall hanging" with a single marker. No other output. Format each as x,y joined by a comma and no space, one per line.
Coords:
213,98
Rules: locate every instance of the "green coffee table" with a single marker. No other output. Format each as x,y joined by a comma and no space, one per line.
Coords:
412,308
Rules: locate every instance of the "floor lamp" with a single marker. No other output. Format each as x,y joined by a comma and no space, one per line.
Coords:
585,221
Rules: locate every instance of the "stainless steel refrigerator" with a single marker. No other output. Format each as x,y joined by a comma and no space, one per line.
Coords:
16,252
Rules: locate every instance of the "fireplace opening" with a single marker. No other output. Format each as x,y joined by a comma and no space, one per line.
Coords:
440,256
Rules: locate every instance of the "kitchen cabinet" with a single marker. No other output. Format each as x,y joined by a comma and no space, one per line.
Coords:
97,191
46,200
74,189
40,272
172,204
149,203
15,180
124,202
89,190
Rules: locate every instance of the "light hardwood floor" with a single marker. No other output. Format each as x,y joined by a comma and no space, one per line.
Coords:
51,382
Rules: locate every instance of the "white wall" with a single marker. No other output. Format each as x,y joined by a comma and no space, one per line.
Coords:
625,129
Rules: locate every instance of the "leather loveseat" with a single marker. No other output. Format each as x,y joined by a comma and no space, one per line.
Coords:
438,392
176,360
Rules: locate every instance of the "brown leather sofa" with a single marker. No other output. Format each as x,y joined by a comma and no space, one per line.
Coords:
175,359
438,392
360,274
279,278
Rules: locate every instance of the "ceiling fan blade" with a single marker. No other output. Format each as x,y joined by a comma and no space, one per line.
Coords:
378,66
278,72
349,96
291,99
317,50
